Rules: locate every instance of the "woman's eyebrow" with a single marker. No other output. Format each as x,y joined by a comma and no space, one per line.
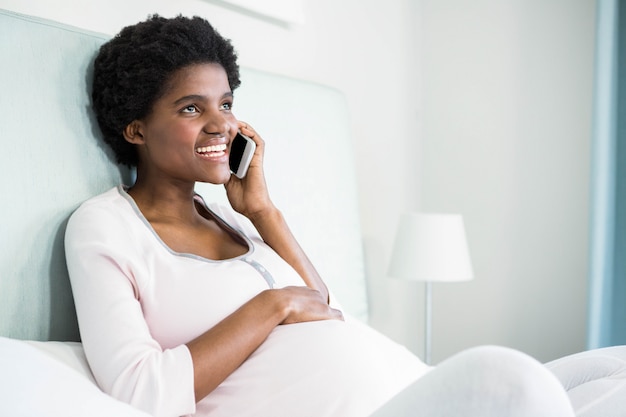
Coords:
190,97
199,97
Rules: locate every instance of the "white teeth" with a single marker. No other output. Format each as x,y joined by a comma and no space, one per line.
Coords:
213,148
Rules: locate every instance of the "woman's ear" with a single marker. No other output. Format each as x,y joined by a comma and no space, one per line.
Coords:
132,133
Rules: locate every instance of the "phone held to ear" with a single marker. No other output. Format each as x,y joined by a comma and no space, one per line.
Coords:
241,152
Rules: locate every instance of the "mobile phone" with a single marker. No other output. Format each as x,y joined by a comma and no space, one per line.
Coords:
241,153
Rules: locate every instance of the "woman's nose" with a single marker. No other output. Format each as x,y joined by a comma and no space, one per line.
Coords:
216,122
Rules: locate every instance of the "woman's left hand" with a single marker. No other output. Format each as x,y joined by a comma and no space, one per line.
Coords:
249,195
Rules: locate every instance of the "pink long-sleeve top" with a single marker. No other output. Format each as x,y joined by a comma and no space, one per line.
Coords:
138,302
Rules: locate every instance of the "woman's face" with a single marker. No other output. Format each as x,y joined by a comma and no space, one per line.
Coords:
187,135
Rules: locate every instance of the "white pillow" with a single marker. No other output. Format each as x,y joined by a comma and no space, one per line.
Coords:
52,379
69,353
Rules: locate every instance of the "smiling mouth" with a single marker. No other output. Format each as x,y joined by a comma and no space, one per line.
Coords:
214,151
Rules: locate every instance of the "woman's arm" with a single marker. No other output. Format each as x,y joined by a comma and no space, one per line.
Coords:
223,348
249,196
274,230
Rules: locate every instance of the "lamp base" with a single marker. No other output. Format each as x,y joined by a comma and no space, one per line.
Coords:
428,308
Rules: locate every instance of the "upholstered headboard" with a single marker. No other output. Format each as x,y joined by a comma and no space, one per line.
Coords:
52,159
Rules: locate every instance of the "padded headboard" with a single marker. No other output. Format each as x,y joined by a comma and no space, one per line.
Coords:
53,158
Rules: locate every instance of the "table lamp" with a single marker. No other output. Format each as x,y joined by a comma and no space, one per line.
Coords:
430,248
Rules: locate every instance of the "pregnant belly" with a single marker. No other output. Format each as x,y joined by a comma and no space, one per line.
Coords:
324,368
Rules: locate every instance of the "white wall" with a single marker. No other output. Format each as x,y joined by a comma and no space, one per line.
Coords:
480,107
507,98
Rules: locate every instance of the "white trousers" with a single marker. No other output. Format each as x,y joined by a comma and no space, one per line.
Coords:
486,381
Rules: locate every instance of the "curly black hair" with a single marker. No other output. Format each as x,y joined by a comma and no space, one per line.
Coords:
131,71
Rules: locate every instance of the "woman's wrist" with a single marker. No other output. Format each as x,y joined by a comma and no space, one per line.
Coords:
279,302
269,215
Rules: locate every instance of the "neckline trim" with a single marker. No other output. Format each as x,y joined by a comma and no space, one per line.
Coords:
122,189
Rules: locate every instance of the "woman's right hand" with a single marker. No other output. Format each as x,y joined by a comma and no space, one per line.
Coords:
301,304
220,350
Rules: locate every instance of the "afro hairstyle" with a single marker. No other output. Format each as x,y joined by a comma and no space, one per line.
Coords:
131,71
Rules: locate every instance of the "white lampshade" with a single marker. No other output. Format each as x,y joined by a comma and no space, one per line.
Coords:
431,247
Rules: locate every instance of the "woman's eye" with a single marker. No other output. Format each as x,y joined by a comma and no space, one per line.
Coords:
227,106
190,109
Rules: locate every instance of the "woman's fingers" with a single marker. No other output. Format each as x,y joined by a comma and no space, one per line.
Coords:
307,304
247,130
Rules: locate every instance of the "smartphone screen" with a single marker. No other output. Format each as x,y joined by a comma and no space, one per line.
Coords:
236,152
241,153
